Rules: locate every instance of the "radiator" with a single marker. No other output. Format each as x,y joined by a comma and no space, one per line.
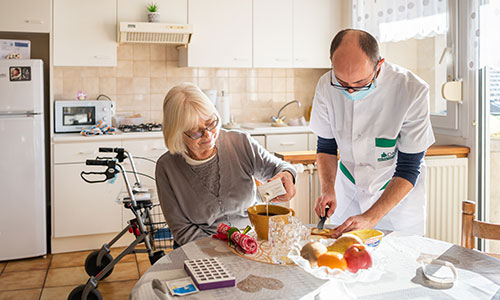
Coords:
446,186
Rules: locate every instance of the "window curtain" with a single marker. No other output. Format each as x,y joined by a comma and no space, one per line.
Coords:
486,36
399,20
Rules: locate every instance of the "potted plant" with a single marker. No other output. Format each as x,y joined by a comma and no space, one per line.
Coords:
153,13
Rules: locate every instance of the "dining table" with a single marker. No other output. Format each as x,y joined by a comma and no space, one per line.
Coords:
399,263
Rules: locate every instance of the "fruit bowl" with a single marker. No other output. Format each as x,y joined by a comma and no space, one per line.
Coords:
364,275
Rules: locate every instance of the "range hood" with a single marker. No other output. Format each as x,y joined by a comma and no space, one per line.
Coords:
158,33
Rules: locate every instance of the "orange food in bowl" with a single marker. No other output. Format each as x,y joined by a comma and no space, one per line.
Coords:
333,260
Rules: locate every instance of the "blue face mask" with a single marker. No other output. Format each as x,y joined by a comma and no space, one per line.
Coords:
356,95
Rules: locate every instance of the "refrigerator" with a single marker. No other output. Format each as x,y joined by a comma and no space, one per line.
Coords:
23,225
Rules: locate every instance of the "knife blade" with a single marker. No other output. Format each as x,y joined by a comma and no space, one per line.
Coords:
321,223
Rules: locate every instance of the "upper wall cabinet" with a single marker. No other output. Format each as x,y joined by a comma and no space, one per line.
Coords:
222,34
272,33
171,11
84,33
25,15
314,25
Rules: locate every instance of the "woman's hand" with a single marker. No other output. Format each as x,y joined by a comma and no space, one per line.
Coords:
287,180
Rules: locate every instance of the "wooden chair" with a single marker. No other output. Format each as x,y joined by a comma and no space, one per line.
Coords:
472,228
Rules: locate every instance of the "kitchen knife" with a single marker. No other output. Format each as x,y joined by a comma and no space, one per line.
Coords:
321,223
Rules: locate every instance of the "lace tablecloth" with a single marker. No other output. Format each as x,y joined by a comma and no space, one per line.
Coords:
478,274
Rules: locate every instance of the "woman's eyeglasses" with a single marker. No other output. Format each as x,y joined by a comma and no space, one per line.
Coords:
198,134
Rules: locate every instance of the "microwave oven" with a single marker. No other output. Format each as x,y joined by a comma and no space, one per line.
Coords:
76,115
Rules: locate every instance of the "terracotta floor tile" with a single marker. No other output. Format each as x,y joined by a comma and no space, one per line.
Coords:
71,259
32,294
124,271
66,276
142,257
21,280
143,266
116,290
56,293
126,259
39,263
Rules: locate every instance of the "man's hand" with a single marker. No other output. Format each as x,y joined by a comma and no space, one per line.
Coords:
287,180
362,221
324,201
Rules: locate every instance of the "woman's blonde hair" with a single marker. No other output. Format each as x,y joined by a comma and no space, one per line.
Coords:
183,106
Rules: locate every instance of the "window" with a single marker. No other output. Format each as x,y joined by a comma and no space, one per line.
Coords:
417,35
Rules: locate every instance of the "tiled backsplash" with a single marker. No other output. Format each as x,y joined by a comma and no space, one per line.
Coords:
145,73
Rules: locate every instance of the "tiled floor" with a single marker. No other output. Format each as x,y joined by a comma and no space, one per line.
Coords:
53,277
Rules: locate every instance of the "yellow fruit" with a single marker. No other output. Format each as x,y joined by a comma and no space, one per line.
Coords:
344,242
333,260
311,251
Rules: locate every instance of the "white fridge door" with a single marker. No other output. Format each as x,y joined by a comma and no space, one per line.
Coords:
22,187
21,86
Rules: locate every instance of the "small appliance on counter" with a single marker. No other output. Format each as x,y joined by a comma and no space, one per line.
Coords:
76,115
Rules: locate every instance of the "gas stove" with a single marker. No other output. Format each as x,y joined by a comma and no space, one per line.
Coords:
144,127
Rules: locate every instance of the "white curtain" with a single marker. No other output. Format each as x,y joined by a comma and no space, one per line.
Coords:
488,34
398,20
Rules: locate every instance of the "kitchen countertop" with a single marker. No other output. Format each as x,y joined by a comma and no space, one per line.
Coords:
252,128
309,157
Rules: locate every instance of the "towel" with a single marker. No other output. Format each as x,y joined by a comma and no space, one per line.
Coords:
247,243
100,128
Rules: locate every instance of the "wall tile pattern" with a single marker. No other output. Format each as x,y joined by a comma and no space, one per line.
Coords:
144,74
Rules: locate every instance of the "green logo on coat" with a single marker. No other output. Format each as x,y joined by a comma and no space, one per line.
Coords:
386,156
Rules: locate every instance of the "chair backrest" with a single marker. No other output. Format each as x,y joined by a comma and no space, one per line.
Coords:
472,228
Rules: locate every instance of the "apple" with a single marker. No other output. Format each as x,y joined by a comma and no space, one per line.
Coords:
357,257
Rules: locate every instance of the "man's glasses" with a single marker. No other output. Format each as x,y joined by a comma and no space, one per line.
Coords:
198,134
354,88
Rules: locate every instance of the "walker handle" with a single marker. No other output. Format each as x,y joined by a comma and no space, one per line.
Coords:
97,162
108,149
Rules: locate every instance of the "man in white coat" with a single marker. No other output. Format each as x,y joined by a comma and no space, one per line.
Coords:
375,116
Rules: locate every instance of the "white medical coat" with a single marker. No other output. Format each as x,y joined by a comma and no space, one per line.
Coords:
369,132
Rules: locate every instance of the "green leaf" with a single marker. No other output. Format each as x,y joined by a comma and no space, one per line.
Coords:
152,7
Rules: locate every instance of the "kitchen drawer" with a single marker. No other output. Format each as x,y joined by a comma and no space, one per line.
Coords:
313,141
261,139
79,152
150,148
286,142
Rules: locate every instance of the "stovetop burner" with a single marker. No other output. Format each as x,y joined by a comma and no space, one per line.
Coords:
140,127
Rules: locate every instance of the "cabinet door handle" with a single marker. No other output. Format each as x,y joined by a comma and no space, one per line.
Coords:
101,57
87,152
34,21
280,59
158,148
287,143
300,59
240,59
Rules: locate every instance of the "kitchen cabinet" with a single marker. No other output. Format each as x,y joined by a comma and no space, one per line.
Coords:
84,33
85,215
80,208
171,11
286,142
222,34
312,141
272,33
145,153
315,23
26,16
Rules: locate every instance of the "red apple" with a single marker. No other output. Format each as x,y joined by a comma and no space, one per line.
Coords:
357,258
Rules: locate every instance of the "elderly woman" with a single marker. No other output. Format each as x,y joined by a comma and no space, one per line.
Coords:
207,175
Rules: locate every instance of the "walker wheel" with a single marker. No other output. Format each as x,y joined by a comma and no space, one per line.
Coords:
91,266
76,294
